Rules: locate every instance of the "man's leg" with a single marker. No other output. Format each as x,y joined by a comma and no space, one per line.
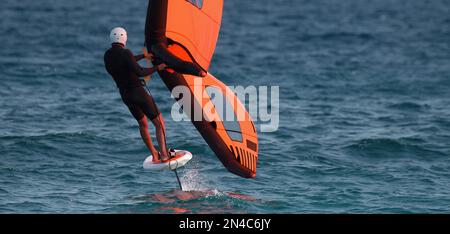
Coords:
161,136
143,129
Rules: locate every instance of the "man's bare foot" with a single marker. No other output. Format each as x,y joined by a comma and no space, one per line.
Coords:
156,160
156,157
165,159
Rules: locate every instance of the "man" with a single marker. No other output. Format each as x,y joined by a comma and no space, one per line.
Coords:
122,65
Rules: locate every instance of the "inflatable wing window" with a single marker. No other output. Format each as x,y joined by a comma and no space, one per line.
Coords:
198,3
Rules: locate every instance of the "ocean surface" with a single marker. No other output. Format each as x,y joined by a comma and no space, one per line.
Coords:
364,110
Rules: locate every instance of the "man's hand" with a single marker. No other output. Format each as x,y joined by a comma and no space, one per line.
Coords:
148,56
161,66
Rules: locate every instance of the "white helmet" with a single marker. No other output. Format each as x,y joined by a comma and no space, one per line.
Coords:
118,35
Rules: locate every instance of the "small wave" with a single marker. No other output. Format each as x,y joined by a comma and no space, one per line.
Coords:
58,143
408,106
26,206
48,136
338,36
392,148
2,191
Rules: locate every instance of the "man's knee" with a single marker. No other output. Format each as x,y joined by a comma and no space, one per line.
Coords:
143,124
158,121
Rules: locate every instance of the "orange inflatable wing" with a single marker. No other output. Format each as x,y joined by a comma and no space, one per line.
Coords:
183,34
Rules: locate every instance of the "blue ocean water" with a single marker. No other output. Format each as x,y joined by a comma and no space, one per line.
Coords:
364,102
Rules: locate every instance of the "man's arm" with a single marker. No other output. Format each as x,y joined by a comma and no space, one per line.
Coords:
139,57
136,68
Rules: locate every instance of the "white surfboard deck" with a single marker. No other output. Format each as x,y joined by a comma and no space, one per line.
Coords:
181,158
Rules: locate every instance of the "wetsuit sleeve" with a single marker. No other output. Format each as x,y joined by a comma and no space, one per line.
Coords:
139,57
136,68
160,50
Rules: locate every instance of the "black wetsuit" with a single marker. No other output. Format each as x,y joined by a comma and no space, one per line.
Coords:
122,65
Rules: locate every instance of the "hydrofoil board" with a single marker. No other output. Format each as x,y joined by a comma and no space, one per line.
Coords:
179,159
